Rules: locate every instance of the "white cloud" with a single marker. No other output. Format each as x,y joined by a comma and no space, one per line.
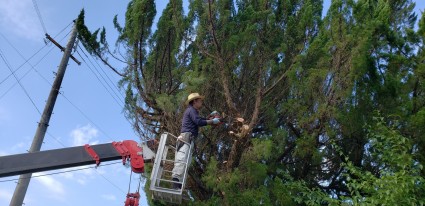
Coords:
53,185
5,195
84,135
18,146
109,197
20,18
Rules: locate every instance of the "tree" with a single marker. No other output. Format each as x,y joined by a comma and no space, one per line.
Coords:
306,87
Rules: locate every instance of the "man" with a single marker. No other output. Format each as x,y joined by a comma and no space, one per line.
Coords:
189,130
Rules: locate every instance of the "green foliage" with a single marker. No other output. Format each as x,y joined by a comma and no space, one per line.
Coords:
166,102
192,80
90,40
209,175
304,83
398,182
139,18
291,192
262,149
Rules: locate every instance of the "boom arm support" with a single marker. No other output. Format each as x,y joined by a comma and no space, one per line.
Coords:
72,157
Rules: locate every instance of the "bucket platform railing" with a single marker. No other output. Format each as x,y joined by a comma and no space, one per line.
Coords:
161,177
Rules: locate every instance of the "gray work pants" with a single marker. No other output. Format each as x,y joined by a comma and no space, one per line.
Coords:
182,155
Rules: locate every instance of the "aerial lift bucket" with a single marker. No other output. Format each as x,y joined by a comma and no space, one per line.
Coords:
161,179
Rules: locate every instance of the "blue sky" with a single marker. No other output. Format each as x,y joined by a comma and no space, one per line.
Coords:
18,116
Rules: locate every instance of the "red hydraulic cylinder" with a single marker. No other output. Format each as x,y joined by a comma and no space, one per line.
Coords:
136,158
132,199
130,149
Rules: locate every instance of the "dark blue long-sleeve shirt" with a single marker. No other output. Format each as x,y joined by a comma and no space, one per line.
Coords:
192,121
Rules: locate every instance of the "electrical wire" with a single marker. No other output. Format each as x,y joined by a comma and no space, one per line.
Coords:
82,113
116,95
110,182
33,68
26,73
20,66
75,106
74,170
56,139
107,76
17,79
119,104
113,97
110,87
70,23
37,10
27,61
62,172
10,88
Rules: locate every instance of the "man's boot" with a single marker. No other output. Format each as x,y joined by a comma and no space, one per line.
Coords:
176,185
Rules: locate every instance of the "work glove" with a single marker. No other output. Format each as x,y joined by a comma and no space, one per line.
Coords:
216,120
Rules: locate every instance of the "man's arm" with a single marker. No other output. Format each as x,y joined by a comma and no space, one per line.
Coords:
199,121
210,122
213,121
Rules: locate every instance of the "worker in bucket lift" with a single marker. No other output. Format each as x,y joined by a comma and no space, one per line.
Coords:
189,130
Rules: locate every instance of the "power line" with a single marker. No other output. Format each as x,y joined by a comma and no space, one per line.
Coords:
122,104
110,182
107,76
82,113
20,66
115,86
77,108
102,76
56,139
119,104
23,88
67,171
27,60
26,73
10,88
18,80
37,10
70,23
33,68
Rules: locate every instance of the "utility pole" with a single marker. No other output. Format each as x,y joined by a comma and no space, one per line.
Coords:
24,180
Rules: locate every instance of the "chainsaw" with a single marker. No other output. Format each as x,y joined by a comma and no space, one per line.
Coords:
236,126
227,120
